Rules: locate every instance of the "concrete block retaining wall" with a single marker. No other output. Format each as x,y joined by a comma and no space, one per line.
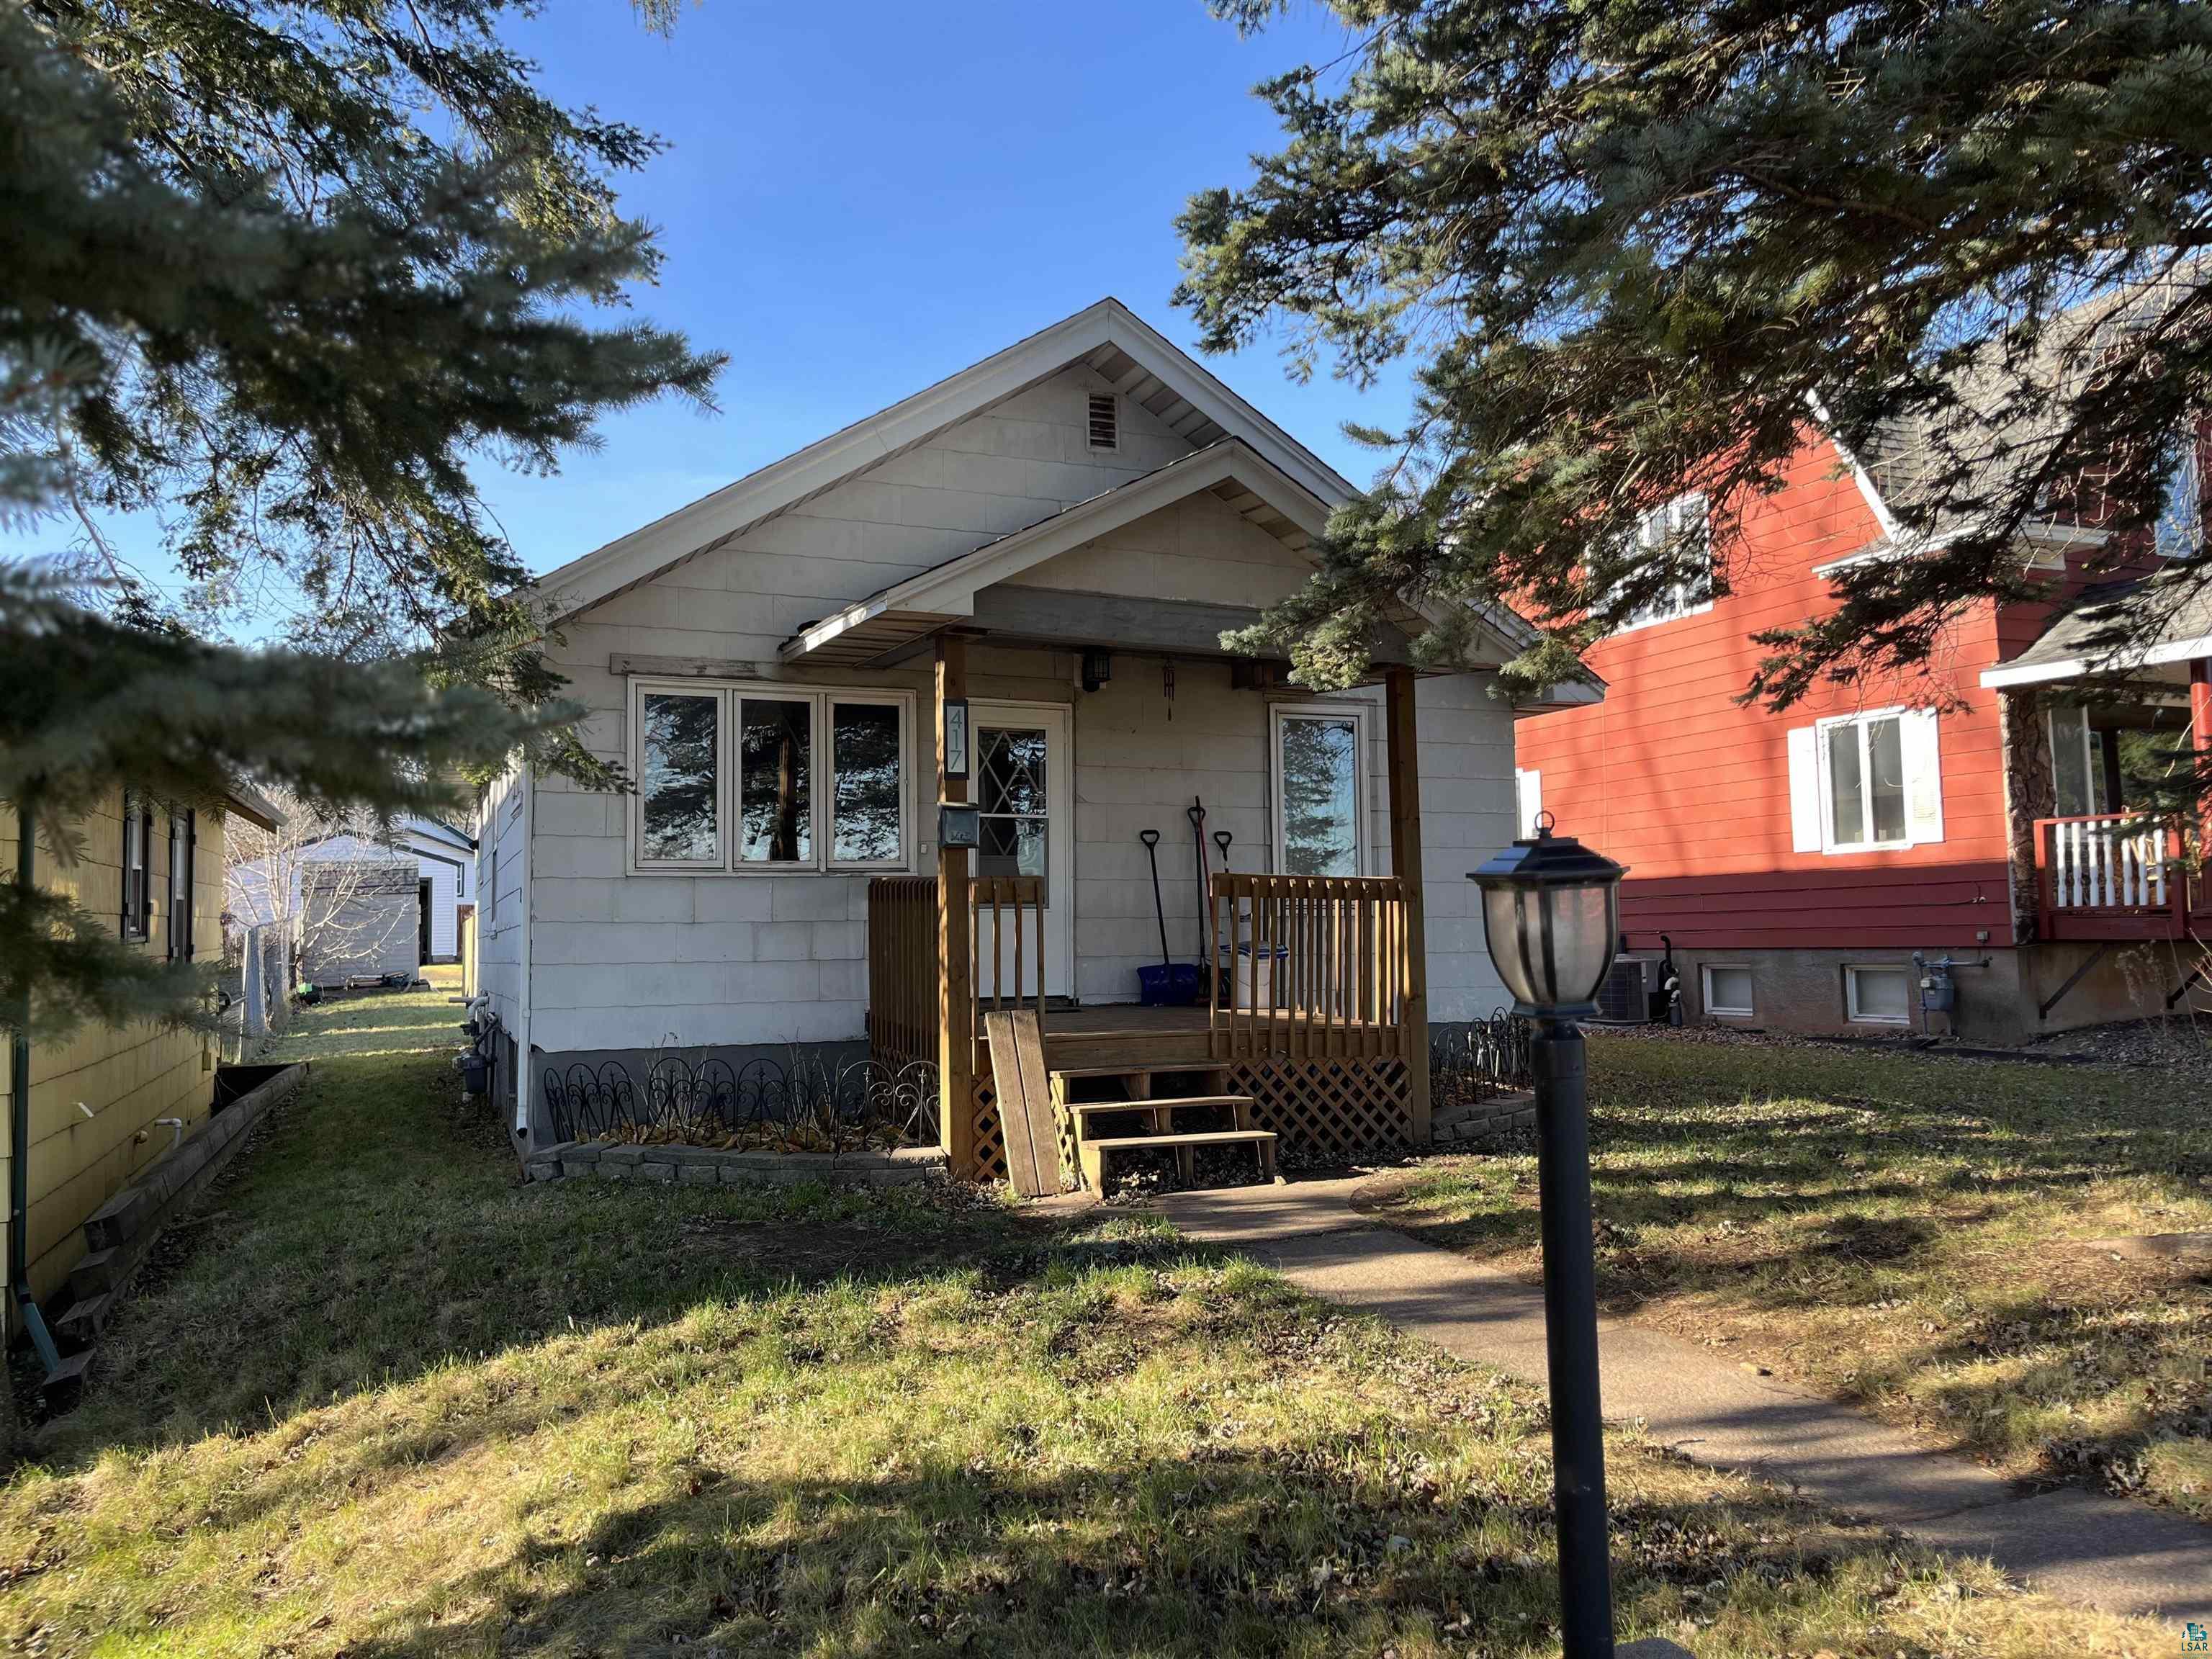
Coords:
708,1166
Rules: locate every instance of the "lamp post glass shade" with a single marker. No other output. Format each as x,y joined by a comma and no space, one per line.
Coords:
1550,912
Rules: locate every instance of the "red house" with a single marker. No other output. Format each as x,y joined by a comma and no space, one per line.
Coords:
1808,869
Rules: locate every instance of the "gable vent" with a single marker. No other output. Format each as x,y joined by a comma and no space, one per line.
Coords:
1105,420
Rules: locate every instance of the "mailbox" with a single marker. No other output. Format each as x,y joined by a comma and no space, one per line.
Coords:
958,824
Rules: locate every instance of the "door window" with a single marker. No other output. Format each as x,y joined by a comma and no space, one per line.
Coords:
1318,774
1013,803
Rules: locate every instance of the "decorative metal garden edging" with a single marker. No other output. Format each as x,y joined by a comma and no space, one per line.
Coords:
808,1106
1490,1057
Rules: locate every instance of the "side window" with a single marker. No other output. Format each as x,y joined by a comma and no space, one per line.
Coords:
1687,520
1866,783
183,839
137,865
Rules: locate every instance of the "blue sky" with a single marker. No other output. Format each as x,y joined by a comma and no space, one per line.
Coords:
858,199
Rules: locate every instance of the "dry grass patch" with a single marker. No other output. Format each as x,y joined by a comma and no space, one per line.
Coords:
395,1404
1909,1234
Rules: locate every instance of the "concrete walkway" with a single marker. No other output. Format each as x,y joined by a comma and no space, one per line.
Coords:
2105,1551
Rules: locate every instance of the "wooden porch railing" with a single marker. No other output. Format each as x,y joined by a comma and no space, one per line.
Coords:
2110,875
1005,945
1007,958
903,967
1317,967
2108,862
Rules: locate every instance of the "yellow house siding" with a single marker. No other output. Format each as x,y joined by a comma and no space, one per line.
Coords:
94,1096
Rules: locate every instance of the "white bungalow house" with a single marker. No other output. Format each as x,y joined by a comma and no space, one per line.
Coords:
1052,541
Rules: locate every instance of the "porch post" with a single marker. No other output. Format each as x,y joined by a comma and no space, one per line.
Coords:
956,1006
1405,860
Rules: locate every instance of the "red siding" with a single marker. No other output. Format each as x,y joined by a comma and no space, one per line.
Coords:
1690,790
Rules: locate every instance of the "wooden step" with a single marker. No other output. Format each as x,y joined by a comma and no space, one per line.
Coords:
1140,1069
1168,1102
1093,1153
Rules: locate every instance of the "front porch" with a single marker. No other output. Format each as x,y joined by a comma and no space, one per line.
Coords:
1311,1025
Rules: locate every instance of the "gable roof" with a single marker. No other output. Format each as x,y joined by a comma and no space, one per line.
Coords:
1229,468
1141,363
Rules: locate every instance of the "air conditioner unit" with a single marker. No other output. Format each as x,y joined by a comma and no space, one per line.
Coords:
1624,998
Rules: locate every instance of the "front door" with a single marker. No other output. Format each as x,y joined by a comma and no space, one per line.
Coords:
1024,781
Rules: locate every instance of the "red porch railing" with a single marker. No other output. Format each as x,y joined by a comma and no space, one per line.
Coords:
2111,876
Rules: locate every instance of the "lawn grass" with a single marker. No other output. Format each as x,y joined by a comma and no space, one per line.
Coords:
1906,1233
393,1402
374,1022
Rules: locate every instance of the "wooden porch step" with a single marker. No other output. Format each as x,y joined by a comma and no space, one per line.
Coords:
1165,1104
1161,1111
1093,1153
1140,1069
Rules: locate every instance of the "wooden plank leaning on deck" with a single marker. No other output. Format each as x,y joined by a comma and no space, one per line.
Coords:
1026,1120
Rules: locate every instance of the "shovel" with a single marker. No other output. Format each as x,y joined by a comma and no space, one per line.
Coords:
1151,840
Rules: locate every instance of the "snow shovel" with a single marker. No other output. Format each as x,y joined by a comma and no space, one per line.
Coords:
1196,813
1168,984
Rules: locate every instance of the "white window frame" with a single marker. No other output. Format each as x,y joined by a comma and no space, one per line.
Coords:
1361,715
1858,723
1851,1010
2092,758
725,837
821,701
826,721
1705,975
1654,529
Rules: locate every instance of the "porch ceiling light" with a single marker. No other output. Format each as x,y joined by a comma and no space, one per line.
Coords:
1551,914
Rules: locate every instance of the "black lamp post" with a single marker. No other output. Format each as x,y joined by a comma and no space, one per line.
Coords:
1551,912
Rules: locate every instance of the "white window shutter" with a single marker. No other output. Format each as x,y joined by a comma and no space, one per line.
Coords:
1529,797
1923,777
1804,789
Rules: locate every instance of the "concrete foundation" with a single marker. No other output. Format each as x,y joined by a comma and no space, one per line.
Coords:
2000,988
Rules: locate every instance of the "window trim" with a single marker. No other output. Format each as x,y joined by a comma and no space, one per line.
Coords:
1852,1011
822,701
902,702
1658,513
724,842
138,917
1822,731
179,941
1361,715
1705,972
733,784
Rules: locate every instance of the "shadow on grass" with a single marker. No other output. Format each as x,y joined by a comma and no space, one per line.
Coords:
1896,1228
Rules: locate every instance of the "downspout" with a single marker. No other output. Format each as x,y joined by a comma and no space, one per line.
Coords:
18,1119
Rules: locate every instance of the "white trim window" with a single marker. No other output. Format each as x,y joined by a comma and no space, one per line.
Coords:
681,800
1877,995
1728,992
2077,761
1686,521
766,775
1319,758
1870,782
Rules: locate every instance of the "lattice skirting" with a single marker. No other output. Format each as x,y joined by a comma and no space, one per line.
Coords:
990,1139
1328,1109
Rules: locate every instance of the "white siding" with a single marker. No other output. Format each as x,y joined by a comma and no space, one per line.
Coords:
630,961
500,836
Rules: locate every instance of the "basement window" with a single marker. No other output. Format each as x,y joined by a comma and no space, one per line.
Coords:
1728,993
1878,996
1105,420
